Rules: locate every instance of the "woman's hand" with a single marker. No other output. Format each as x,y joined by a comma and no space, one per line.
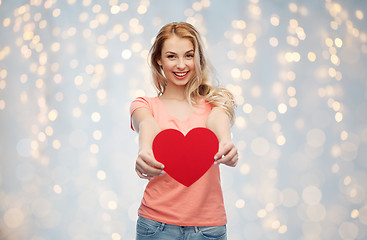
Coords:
146,166
227,154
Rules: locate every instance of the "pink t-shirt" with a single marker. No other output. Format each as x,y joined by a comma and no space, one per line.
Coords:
168,201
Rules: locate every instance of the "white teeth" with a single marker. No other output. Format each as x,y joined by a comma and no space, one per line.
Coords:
181,74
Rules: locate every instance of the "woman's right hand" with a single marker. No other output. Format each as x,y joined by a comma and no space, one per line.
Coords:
146,166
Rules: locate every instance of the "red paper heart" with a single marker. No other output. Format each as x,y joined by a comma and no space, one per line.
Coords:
186,158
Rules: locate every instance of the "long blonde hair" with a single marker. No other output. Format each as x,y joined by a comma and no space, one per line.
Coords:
199,86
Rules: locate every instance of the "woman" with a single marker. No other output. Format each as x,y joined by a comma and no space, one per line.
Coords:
186,100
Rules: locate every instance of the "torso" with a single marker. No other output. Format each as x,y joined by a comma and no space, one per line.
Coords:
179,109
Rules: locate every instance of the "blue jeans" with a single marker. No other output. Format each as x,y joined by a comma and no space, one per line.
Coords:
153,230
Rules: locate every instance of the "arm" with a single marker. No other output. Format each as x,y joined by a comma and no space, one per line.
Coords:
146,166
218,121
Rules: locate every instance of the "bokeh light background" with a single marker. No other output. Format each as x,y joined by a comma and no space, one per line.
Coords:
69,70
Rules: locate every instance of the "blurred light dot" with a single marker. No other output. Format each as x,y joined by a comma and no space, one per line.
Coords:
124,7
56,144
52,115
336,106
275,224
282,108
291,91
2,104
335,60
311,195
77,112
235,73
245,169
238,24
83,98
359,14
338,117
293,102
94,148
102,52
348,230
274,20
240,122
247,108
311,56
13,218
354,214
246,74
101,94
256,91
281,140
254,9
56,12
261,213
338,42
2,84
96,117
240,203
273,41
272,116
6,22
101,175
49,131
115,236
293,7
335,168
39,83
57,189
115,9
126,54
97,135
142,9
329,42
283,229
78,80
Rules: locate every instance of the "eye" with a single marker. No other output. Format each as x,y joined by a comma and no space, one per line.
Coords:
189,55
170,56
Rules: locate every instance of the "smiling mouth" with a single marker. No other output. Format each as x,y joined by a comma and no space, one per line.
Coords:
180,74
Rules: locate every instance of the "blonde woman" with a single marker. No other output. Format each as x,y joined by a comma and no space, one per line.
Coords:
186,100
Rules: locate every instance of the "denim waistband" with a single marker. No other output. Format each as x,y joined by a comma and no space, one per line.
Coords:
162,226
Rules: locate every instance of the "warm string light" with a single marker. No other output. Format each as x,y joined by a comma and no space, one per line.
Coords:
68,71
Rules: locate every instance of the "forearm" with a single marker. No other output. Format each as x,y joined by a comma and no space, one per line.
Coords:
219,122
148,129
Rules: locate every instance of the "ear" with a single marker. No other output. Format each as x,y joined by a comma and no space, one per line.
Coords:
159,62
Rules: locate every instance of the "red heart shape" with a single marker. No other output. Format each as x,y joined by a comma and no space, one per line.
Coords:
186,158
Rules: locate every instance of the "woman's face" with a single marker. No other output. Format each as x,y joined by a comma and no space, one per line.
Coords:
177,60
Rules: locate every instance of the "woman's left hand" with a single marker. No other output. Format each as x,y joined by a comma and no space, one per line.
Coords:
227,154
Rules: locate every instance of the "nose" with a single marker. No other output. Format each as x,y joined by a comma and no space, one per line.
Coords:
181,63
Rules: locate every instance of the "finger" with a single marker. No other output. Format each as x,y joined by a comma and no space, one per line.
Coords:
223,151
230,158
149,159
233,162
147,169
141,175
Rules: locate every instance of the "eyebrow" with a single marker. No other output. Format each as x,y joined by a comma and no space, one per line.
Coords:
170,52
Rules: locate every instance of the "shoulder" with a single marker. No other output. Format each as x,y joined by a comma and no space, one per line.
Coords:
143,102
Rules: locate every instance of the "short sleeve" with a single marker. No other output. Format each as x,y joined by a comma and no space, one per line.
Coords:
139,102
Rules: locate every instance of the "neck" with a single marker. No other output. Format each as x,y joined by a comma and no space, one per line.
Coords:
174,92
